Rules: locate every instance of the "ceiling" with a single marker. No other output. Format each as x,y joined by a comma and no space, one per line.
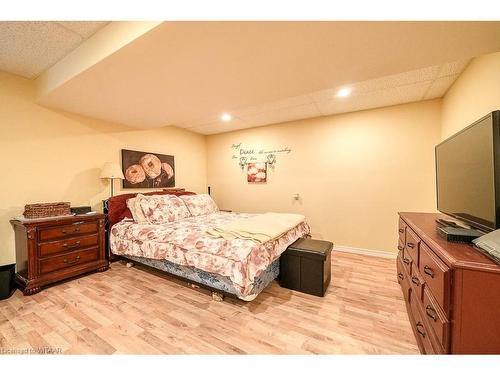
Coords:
412,86
29,48
187,73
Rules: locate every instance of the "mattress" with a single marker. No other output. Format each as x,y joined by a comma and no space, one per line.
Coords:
186,243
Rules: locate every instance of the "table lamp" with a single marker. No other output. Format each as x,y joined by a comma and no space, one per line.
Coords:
112,171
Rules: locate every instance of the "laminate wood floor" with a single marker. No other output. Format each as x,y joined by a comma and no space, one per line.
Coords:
139,311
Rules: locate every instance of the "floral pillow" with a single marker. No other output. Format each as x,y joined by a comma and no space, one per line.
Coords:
201,204
161,209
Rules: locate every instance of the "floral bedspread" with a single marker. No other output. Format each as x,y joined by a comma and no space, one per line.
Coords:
186,242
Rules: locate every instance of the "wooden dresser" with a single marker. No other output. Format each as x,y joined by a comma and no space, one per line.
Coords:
451,290
51,250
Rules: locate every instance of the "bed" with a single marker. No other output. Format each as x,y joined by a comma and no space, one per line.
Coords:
239,267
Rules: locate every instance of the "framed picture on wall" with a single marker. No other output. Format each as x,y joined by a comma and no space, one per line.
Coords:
257,172
147,170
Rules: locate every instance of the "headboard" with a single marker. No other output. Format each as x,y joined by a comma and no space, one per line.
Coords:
116,207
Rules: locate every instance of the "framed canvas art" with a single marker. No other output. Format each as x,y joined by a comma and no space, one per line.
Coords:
147,170
257,172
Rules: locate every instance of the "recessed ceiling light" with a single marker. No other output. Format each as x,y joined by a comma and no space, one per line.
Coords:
343,92
226,117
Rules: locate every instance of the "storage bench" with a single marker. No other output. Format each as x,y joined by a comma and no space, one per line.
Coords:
305,266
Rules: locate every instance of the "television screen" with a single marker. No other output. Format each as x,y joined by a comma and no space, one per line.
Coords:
465,170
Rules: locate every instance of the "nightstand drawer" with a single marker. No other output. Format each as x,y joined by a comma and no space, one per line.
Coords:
72,259
69,244
47,234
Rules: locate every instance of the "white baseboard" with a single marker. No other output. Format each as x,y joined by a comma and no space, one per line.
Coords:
372,253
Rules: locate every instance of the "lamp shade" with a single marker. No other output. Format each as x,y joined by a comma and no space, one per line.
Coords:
112,170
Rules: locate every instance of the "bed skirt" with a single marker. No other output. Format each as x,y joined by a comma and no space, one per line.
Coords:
212,280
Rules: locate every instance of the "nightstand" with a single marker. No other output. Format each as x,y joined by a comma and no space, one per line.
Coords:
54,249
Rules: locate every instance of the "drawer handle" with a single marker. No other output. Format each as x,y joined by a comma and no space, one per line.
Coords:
400,276
401,230
400,247
431,313
75,245
420,329
429,271
72,262
406,260
411,245
64,231
415,281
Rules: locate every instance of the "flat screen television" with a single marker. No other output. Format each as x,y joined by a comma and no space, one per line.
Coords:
468,174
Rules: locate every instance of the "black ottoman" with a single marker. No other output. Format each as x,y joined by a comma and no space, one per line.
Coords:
305,266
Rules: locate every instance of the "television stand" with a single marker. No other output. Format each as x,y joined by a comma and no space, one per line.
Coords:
451,289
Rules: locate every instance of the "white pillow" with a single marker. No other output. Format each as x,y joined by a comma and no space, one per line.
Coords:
135,209
200,204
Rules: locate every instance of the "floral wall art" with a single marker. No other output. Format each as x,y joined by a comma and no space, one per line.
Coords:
257,160
257,172
147,170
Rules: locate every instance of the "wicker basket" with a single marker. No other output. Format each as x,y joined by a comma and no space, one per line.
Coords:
40,210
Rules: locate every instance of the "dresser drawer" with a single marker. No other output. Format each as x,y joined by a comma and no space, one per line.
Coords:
72,259
69,244
412,246
403,280
436,318
416,282
402,231
419,326
436,275
401,246
406,262
47,234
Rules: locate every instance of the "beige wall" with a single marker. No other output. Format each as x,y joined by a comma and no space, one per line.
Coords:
474,94
353,172
54,156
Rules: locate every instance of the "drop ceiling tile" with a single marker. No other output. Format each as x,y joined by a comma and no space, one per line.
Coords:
439,87
83,28
383,83
27,48
375,99
397,80
283,115
453,68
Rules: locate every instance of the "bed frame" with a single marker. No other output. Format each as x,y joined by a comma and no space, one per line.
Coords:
118,203
115,209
